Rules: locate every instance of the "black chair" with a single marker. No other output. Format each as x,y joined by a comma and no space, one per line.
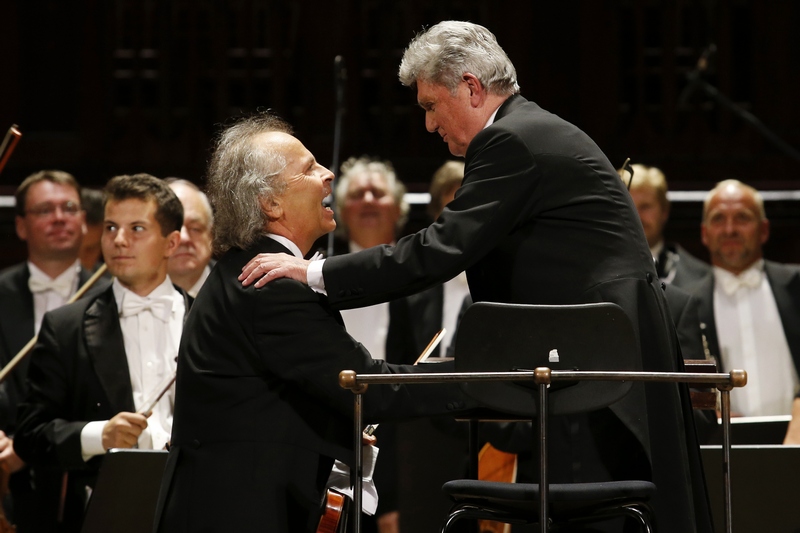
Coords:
566,359
494,337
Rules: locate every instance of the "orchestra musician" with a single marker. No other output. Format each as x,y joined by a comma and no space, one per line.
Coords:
541,218
50,219
99,360
259,414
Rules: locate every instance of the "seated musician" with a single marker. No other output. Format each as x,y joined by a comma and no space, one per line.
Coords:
259,414
99,361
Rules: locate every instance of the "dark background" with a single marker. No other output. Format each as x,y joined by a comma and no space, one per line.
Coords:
105,87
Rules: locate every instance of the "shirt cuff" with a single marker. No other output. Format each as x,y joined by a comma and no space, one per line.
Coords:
92,439
314,277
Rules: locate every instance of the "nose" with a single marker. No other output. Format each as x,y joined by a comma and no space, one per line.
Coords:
430,122
184,235
121,238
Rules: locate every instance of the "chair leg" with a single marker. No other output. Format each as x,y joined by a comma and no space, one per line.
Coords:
643,514
475,512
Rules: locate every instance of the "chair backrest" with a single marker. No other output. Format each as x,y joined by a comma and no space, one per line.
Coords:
498,337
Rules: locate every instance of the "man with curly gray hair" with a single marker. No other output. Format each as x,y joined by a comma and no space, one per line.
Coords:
258,408
541,218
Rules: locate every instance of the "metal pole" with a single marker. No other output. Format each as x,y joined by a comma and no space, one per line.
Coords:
726,458
543,483
357,473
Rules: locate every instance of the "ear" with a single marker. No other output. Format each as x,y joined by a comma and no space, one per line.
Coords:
173,241
272,208
22,231
477,92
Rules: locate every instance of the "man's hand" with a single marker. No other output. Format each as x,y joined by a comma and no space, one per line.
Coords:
268,267
8,455
123,430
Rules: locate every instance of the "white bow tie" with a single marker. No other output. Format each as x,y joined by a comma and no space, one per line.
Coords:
750,279
38,285
160,306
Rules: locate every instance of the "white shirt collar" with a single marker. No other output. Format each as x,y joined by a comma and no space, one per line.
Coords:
202,279
287,243
164,289
70,274
491,118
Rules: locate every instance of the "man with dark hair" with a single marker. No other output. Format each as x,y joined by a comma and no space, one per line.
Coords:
541,218
50,220
97,361
259,415
90,253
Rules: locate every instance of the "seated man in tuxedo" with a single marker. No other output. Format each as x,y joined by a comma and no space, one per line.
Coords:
259,414
648,188
99,361
749,305
191,263
50,219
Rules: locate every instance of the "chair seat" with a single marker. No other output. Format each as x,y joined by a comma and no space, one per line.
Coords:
509,497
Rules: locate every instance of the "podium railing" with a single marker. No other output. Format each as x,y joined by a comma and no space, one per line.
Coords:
542,377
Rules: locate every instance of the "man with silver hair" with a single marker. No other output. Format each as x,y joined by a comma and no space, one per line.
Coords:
541,218
259,414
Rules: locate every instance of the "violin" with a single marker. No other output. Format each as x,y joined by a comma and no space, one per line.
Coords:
335,504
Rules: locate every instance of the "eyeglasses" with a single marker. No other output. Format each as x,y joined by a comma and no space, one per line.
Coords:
47,210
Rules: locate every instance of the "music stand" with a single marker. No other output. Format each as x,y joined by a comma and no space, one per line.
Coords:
124,497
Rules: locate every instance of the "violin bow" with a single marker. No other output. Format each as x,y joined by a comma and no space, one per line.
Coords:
9,143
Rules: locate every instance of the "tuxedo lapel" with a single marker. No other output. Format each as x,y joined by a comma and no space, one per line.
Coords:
17,313
785,285
106,351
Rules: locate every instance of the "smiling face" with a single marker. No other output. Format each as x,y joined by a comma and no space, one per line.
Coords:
298,213
370,211
53,224
453,116
733,229
133,247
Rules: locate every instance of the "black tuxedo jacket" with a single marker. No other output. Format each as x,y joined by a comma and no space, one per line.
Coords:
784,280
16,329
78,373
259,414
542,217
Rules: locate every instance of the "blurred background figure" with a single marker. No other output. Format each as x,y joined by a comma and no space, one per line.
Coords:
191,263
371,210
750,306
674,264
91,254
50,220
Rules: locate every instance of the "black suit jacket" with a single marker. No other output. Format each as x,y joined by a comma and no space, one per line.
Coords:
16,329
78,373
785,283
542,217
259,414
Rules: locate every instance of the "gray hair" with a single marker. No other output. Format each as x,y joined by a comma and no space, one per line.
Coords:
242,175
757,198
357,166
203,196
444,52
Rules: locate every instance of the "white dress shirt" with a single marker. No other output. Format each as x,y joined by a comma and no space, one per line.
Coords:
151,339
49,293
751,338
368,325
202,279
